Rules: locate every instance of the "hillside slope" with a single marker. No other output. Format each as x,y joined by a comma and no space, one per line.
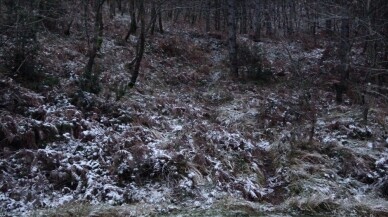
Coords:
187,136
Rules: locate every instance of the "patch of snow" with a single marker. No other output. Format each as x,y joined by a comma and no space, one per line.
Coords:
176,128
381,161
264,145
328,139
65,199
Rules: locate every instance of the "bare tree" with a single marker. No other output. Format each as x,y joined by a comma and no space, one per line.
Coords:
343,52
133,25
243,17
257,17
160,18
134,66
89,79
232,41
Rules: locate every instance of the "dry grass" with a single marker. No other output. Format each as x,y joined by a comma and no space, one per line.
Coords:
314,204
68,210
89,210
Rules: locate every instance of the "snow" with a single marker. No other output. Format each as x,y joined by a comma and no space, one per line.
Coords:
177,128
200,143
264,145
381,161
65,199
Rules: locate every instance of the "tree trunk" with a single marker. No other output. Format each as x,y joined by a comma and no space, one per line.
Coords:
232,37
160,19
139,46
244,18
88,80
344,44
328,27
344,48
207,16
151,25
257,22
112,8
120,6
370,42
267,17
176,15
68,26
217,16
133,25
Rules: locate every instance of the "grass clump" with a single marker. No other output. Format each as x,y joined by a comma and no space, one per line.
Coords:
67,210
314,204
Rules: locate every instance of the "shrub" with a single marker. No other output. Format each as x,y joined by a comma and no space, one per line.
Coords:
90,80
177,47
171,47
52,13
253,64
20,29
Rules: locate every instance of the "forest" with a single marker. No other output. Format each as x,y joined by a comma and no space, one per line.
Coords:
193,108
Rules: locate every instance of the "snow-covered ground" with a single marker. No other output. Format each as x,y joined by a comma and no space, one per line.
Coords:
188,136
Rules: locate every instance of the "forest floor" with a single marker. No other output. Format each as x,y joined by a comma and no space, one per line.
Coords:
188,140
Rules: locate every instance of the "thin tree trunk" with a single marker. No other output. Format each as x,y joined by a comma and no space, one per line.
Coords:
224,12
112,8
232,37
85,19
176,15
328,23
268,22
133,25
244,18
344,48
217,16
370,42
160,18
97,39
151,25
257,21
88,75
68,26
201,10
139,47
207,15
120,6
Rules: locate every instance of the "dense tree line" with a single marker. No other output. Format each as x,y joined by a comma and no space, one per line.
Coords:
345,22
